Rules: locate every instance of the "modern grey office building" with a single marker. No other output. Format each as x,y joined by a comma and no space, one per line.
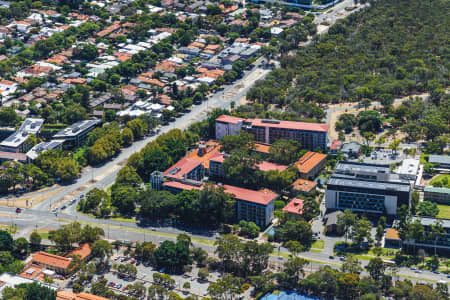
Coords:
366,188
76,133
429,241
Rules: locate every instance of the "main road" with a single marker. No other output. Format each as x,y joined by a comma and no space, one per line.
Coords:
102,176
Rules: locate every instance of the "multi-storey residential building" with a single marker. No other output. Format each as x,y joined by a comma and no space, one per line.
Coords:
367,188
216,169
310,135
185,169
253,206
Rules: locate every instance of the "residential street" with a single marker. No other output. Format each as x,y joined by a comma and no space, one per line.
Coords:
39,216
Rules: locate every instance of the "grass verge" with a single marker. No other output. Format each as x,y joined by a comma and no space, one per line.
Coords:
141,230
318,244
444,211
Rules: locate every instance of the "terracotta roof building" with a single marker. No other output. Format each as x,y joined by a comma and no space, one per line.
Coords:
269,166
186,169
84,251
205,152
294,208
253,206
304,186
310,164
53,262
310,135
108,30
392,238
64,295
216,169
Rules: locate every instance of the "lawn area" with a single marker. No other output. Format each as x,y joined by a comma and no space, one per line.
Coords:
318,244
444,211
43,233
80,152
444,179
8,228
122,219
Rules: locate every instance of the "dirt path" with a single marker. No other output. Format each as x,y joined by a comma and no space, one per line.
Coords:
33,199
342,109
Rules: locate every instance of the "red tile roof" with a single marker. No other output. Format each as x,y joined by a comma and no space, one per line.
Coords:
51,259
31,271
336,145
182,167
7,82
392,234
263,148
280,124
262,197
83,250
229,119
64,295
13,156
181,186
268,166
304,185
86,296
308,161
218,157
291,125
205,152
263,166
295,206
